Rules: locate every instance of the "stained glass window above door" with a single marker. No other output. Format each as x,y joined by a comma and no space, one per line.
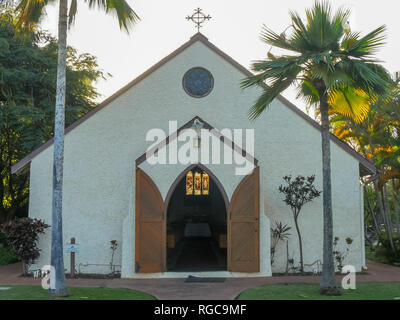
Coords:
197,183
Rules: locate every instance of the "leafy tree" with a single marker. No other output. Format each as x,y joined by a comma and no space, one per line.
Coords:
30,13
28,68
298,192
22,236
332,68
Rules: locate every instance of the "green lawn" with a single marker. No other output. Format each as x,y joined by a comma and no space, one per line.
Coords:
309,291
76,293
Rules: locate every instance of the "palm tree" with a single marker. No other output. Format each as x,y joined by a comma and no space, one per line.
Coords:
329,65
376,138
30,12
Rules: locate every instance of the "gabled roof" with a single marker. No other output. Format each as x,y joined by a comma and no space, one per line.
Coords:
366,167
207,126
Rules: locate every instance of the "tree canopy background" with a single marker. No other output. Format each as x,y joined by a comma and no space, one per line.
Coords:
28,68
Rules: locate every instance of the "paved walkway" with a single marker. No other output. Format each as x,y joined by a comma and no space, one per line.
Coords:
171,289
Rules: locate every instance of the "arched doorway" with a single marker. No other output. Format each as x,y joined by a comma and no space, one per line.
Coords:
196,222
241,228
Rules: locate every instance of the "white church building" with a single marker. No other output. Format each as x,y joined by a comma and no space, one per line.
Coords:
200,217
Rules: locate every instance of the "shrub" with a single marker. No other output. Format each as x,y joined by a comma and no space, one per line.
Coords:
7,257
279,233
22,236
2,239
340,256
385,251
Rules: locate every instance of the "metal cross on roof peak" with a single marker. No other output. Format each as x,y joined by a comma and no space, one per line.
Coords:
198,17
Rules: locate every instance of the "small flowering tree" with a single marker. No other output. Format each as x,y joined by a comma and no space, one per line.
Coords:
340,256
21,236
297,193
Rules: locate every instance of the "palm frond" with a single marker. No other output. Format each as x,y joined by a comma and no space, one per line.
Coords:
367,45
269,94
73,9
367,75
125,14
323,29
333,77
350,102
308,93
271,70
30,12
277,40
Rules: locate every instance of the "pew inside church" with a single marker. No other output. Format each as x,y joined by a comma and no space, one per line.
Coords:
196,225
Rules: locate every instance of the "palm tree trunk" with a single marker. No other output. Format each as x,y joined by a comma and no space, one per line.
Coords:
379,202
396,207
387,207
382,210
388,227
371,210
57,260
328,285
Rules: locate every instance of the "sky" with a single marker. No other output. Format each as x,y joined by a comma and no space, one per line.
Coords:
234,28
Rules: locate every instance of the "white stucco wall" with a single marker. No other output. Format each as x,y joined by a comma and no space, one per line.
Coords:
100,155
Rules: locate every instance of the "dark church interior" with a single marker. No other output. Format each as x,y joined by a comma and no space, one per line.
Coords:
196,229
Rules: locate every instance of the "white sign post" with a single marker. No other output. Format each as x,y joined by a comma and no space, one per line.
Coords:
72,248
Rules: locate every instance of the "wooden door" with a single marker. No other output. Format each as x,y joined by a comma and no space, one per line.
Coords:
243,225
150,245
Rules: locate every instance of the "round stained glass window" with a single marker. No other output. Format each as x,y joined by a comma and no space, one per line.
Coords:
198,82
